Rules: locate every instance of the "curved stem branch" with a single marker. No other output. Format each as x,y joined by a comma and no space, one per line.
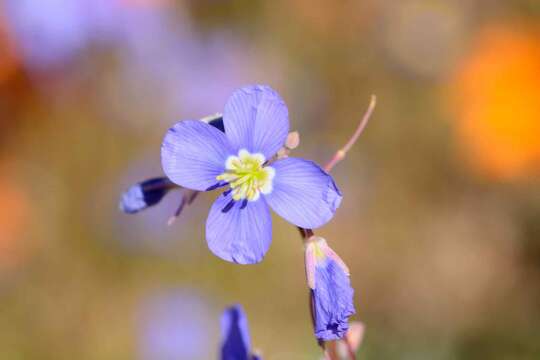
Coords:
341,153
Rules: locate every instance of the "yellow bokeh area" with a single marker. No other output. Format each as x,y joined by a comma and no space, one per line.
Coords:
498,91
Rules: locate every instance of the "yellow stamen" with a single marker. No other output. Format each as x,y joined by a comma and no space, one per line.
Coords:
247,176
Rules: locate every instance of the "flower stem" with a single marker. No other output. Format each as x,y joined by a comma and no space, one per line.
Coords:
187,198
341,153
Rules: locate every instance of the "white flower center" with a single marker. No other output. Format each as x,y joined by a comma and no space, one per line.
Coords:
247,176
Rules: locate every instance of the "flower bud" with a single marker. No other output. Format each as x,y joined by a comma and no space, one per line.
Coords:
293,140
236,343
145,194
331,291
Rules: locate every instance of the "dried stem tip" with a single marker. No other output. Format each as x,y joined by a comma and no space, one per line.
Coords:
341,153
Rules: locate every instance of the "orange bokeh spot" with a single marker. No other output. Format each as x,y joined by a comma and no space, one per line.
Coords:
498,91
14,214
8,60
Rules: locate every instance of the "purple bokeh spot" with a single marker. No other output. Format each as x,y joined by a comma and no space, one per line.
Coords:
175,324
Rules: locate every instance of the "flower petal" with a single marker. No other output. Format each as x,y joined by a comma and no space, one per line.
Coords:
235,334
303,193
239,232
193,154
256,119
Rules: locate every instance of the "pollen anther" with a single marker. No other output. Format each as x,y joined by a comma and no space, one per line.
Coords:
247,176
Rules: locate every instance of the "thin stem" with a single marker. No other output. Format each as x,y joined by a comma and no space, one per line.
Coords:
187,198
192,196
178,211
305,233
341,153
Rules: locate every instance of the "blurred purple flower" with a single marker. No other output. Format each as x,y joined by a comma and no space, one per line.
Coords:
190,72
197,156
331,291
236,343
174,325
50,32
187,69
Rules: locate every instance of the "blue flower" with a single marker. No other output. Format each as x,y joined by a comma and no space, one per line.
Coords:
197,156
331,291
236,344
52,32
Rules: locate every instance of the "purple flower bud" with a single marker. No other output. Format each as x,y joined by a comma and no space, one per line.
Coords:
331,291
145,194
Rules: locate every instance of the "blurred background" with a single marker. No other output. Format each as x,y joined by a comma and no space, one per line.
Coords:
440,222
